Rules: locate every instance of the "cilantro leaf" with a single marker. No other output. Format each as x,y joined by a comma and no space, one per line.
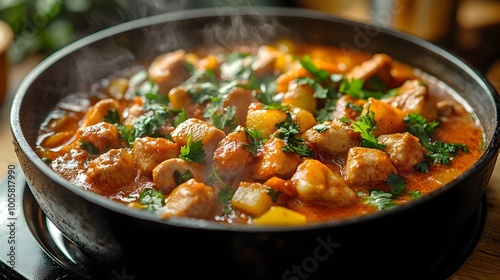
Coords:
192,151
397,183
319,91
287,131
365,125
355,88
274,194
320,127
319,74
255,139
415,194
380,199
181,177
439,152
148,124
151,198
226,193
89,147
112,116
326,112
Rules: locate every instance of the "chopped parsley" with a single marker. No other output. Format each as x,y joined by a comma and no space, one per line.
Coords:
89,147
192,151
397,183
151,198
379,199
320,127
319,74
438,152
112,116
365,125
355,88
274,194
288,131
225,195
415,194
149,124
151,91
255,140
181,177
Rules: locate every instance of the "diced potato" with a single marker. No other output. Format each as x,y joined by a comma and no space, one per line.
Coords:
180,99
305,118
265,120
387,118
280,216
301,96
252,198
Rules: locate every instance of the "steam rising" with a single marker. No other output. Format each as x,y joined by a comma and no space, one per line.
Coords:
226,27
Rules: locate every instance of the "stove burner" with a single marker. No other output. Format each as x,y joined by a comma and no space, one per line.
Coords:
43,252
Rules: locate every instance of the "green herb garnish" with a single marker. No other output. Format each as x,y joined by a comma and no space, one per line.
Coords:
192,151
365,125
438,152
151,198
288,131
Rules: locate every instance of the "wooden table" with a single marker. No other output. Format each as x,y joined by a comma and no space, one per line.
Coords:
483,263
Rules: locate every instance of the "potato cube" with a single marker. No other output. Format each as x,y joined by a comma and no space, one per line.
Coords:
265,120
280,216
252,198
387,118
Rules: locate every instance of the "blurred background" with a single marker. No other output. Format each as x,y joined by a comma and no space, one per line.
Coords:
469,28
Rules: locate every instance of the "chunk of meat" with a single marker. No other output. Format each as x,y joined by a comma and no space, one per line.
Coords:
133,112
232,154
344,108
404,149
240,99
266,56
413,97
332,138
102,135
316,183
168,174
273,161
209,135
190,199
366,166
379,65
169,70
448,108
97,112
148,152
111,171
